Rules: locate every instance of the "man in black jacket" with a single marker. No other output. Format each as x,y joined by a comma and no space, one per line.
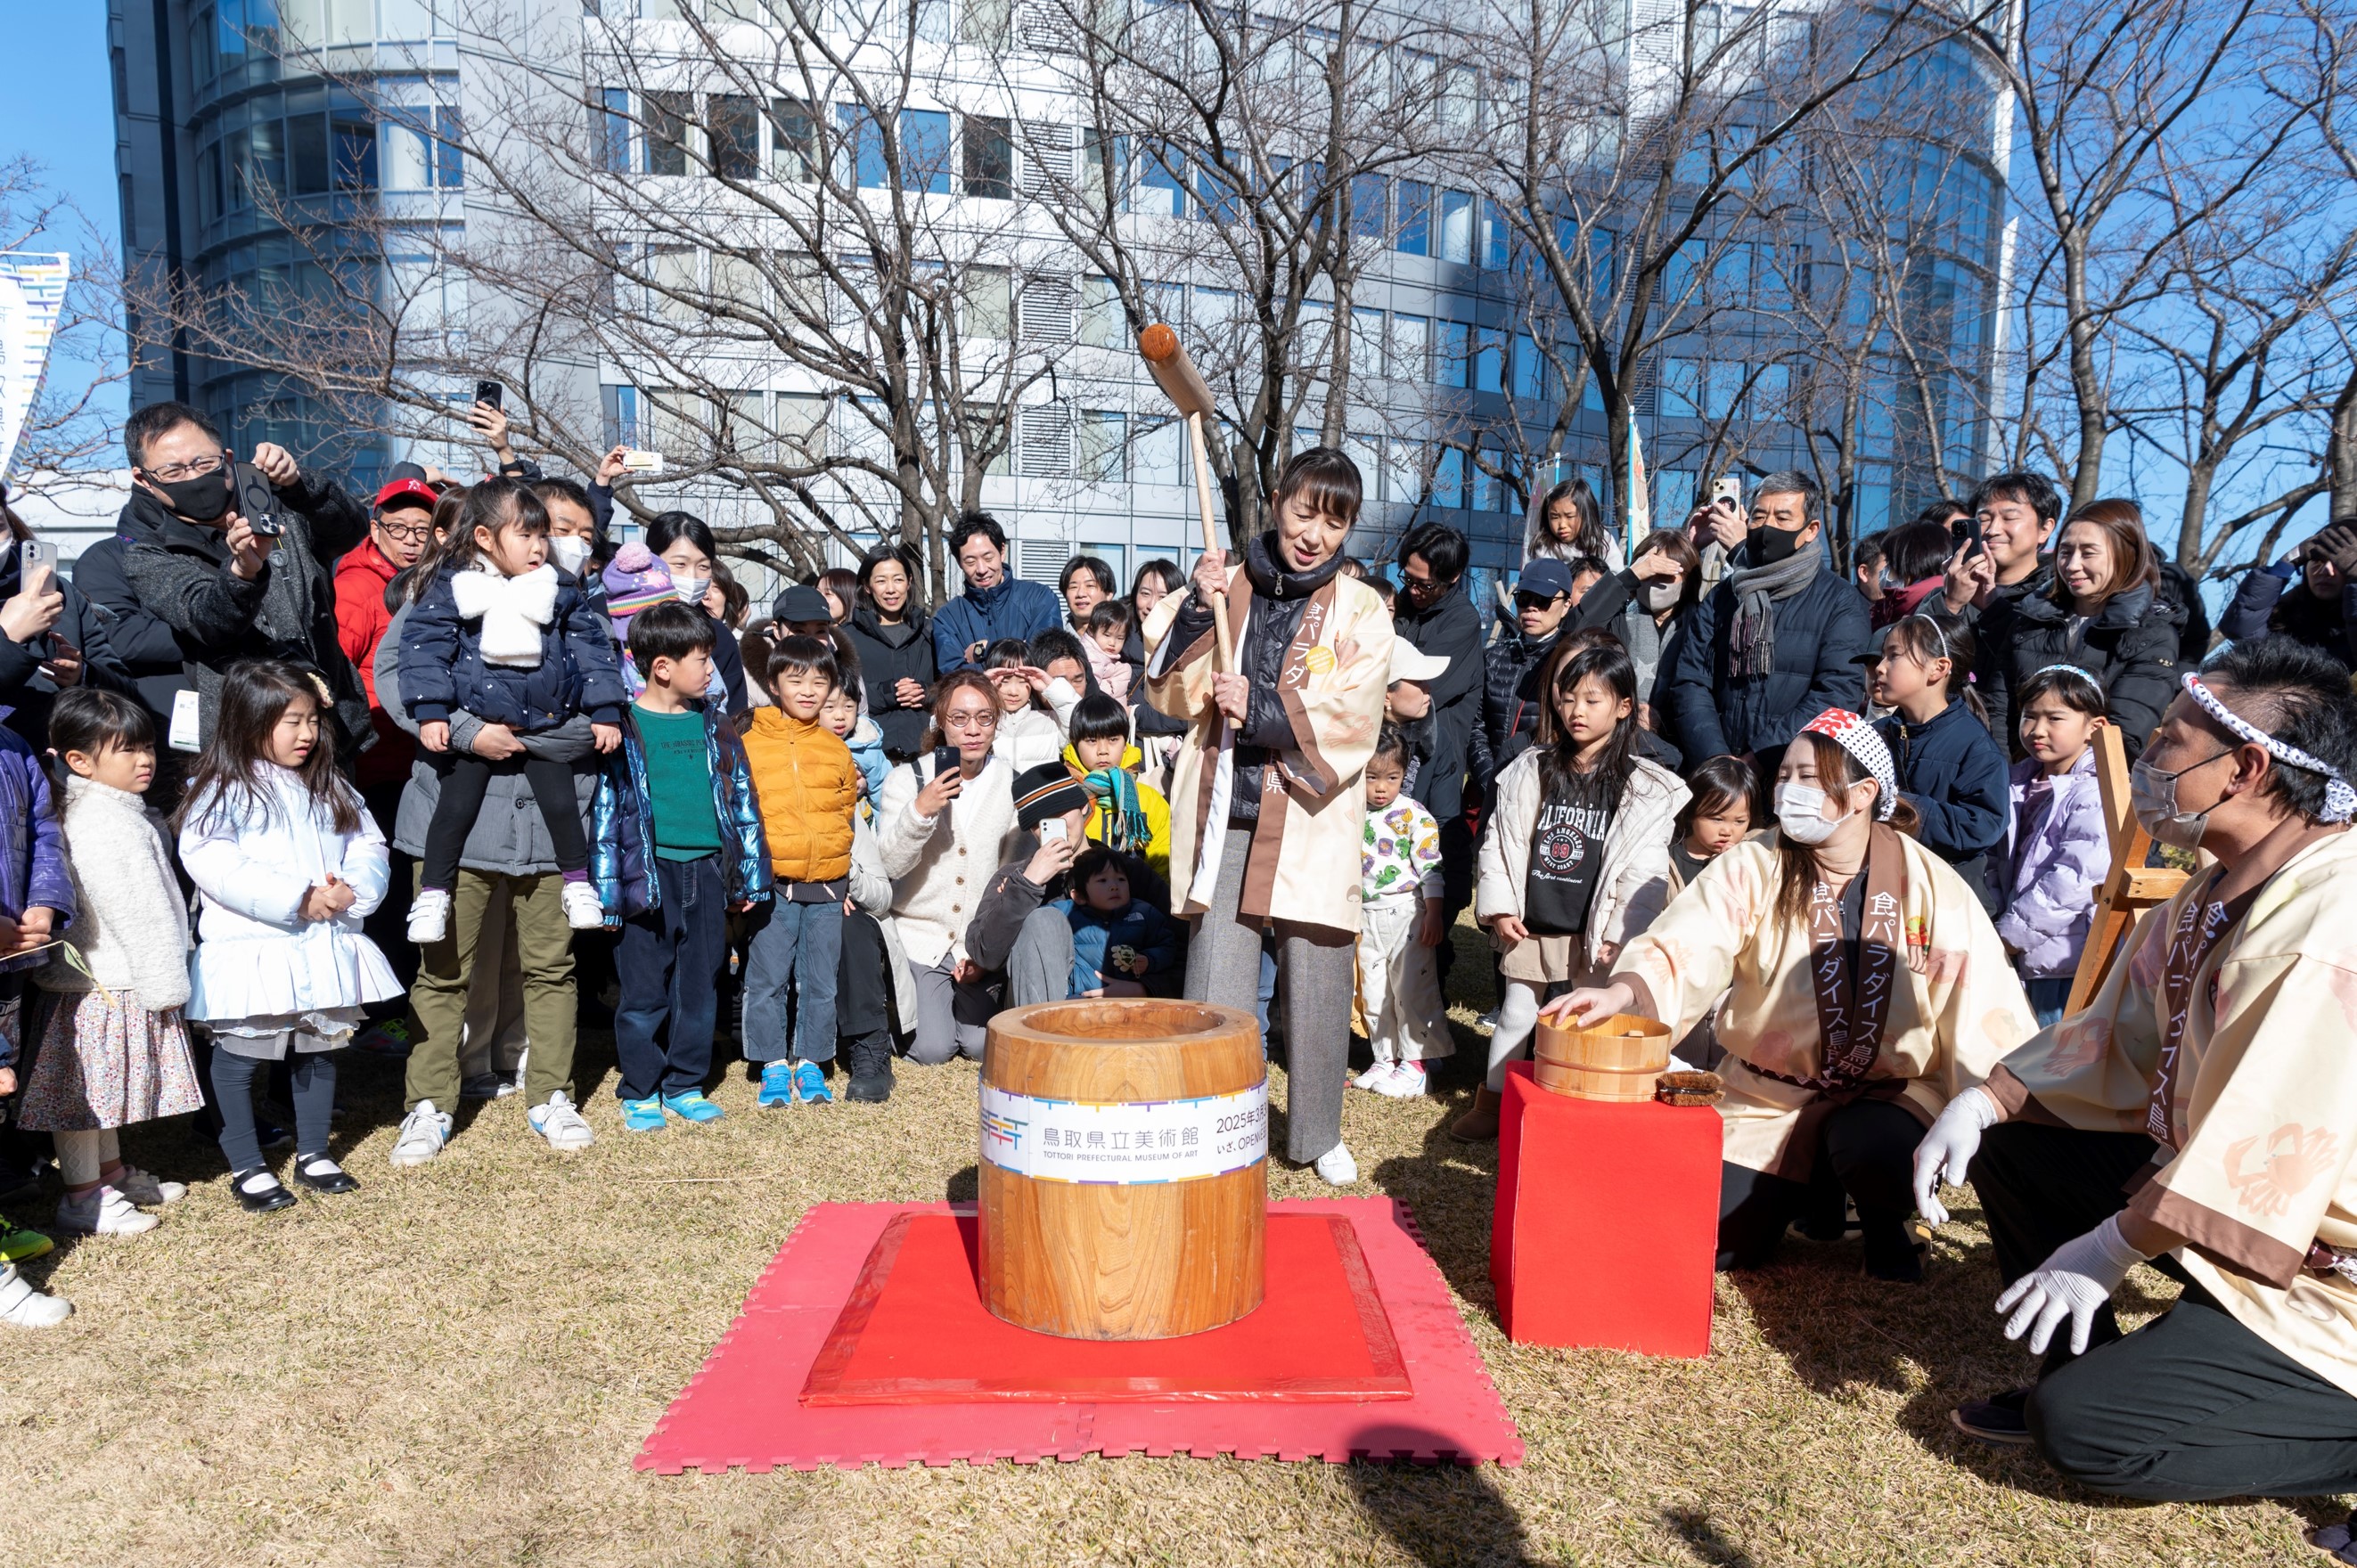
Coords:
1434,612
227,590
1511,700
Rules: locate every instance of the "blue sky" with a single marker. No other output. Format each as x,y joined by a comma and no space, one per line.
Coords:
59,106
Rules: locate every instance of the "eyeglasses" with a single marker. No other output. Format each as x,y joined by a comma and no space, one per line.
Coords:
194,469
409,532
969,720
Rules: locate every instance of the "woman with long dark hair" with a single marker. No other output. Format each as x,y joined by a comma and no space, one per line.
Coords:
1865,987
1577,859
893,638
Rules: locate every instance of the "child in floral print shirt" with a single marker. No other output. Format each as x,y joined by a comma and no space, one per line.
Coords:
1400,925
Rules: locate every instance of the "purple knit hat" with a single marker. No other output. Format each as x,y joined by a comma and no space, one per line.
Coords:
634,581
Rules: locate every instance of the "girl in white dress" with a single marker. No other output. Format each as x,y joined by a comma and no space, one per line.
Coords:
288,864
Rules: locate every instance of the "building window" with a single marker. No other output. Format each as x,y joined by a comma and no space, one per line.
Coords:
925,150
1370,206
1105,447
1455,226
1415,236
734,124
989,157
667,116
614,130
793,141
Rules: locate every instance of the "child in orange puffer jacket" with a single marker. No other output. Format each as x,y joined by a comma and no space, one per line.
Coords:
808,787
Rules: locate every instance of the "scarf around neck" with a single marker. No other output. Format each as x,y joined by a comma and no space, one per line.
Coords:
1751,639
513,611
1121,815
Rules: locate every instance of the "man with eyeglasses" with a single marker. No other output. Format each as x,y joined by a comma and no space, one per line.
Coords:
227,590
1434,612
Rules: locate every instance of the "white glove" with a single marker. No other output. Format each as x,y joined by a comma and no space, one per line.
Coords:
2074,1283
1948,1149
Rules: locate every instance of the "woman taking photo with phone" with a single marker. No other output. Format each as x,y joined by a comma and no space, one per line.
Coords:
941,829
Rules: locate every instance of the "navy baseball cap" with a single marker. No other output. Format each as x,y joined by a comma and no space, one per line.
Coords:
801,603
1543,578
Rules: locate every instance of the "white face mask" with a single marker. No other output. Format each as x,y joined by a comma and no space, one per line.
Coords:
2152,795
570,552
1801,814
1660,596
691,590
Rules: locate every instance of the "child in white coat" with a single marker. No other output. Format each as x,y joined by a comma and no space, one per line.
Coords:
288,864
1576,858
114,1051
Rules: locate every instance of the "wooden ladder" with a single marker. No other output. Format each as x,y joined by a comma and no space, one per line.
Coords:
2131,887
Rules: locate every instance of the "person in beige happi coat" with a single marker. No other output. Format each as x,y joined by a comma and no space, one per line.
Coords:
2203,1105
1865,988
1266,805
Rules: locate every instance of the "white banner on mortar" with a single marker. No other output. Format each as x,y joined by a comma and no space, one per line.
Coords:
1130,1143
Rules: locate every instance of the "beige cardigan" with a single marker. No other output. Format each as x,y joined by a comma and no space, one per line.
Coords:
938,864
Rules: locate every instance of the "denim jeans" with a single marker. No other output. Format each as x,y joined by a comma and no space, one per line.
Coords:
2048,997
668,961
798,946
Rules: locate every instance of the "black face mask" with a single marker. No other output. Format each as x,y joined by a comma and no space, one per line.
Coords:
202,499
1770,546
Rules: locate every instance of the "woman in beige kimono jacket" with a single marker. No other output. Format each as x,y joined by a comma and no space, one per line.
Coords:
2205,1104
1926,1007
1269,832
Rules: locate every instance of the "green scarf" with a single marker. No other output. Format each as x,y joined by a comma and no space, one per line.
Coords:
1123,816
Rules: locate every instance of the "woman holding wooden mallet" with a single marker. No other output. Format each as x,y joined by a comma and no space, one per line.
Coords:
1267,809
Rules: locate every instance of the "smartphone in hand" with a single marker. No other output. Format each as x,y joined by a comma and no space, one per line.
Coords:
946,761
492,392
33,555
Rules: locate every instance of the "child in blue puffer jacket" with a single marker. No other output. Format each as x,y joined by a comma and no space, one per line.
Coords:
1119,942
495,631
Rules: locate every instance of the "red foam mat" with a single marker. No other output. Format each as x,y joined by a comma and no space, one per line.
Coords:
743,1409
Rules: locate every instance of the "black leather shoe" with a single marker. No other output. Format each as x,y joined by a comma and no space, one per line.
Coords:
322,1174
263,1195
1998,1419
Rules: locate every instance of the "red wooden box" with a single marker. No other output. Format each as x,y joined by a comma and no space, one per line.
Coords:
1613,1249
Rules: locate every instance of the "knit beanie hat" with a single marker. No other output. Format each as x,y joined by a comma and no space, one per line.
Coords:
634,581
1045,791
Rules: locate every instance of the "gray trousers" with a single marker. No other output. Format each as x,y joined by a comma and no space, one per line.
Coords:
1040,966
1316,975
951,1019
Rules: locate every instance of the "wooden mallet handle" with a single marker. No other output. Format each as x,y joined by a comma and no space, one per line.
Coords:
1177,376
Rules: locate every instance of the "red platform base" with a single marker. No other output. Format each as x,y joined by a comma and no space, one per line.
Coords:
1607,1224
856,1347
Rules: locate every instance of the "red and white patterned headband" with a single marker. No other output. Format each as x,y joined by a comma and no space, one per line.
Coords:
1867,748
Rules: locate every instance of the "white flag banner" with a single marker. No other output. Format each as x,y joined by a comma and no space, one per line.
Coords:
1129,1143
32,299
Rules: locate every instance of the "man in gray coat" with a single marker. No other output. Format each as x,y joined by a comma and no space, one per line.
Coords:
507,851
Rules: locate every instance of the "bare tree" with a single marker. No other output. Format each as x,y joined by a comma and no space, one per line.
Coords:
67,429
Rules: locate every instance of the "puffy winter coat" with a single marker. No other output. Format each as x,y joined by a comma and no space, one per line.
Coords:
1012,608
808,787
133,925
363,618
1450,630
2054,868
2133,648
509,837
33,870
888,655
622,824
148,650
1820,633
2273,601
1511,699
442,666
1633,885
1952,770
1137,925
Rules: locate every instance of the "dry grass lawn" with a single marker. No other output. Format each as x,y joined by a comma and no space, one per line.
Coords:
456,1364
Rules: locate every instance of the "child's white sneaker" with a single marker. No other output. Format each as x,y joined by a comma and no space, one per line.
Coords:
560,1124
429,917
1405,1083
22,1307
1372,1076
422,1132
146,1191
1336,1167
582,910
103,1211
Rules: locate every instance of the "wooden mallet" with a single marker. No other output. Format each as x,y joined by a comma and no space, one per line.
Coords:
1177,376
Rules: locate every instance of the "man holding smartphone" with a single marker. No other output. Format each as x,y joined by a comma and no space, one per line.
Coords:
229,590
50,636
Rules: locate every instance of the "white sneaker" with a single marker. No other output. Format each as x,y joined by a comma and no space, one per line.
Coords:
1405,1083
429,917
582,910
422,1132
146,1191
103,1211
1372,1076
22,1307
1336,1167
560,1124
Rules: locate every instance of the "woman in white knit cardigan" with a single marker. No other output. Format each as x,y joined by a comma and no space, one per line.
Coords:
940,835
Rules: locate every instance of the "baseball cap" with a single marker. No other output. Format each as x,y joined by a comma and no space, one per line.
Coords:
801,603
1543,578
1411,663
406,491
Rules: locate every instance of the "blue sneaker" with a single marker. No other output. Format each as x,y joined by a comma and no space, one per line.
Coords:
643,1116
778,1083
810,1085
692,1106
